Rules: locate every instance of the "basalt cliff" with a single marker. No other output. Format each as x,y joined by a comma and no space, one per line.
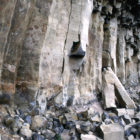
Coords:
64,56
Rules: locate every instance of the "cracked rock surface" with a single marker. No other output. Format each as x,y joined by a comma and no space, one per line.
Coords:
69,69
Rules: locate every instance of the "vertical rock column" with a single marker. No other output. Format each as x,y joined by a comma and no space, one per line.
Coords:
90,76
13,46
139,63
121,56
6,14
131,64
68,76
28,69
109,47
139,70
79,26
68,23
51,58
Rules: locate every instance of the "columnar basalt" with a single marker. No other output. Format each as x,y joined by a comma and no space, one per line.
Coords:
69,69
57,49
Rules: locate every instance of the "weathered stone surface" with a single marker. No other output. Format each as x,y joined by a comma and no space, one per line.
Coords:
13,45
121,56
88,137
130,112
59,57
7,8
49,134
53,53
123,97
38,122
37,39
131,137
112,132
110,41
121,112
109,94
65,135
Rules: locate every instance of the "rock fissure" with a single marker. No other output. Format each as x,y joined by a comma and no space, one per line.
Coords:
66,36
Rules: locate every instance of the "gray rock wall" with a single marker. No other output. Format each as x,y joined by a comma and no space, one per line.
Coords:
57,49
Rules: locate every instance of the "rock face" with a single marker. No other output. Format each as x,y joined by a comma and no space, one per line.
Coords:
57,49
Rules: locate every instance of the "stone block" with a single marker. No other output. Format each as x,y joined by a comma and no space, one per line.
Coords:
112,132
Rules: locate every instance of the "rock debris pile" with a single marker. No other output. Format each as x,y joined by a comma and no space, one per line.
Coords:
87,122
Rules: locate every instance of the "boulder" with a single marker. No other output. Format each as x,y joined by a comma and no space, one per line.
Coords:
130,112
95,118
65,135
85,126
112,132
71,116
48,134
121,111
37,137
131,137
8,121
17,124
25,130
38,121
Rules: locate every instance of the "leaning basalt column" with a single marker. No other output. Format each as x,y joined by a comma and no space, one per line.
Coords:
108,91
120,92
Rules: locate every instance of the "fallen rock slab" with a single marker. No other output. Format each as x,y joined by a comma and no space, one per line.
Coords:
110,79
109,95
112,132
